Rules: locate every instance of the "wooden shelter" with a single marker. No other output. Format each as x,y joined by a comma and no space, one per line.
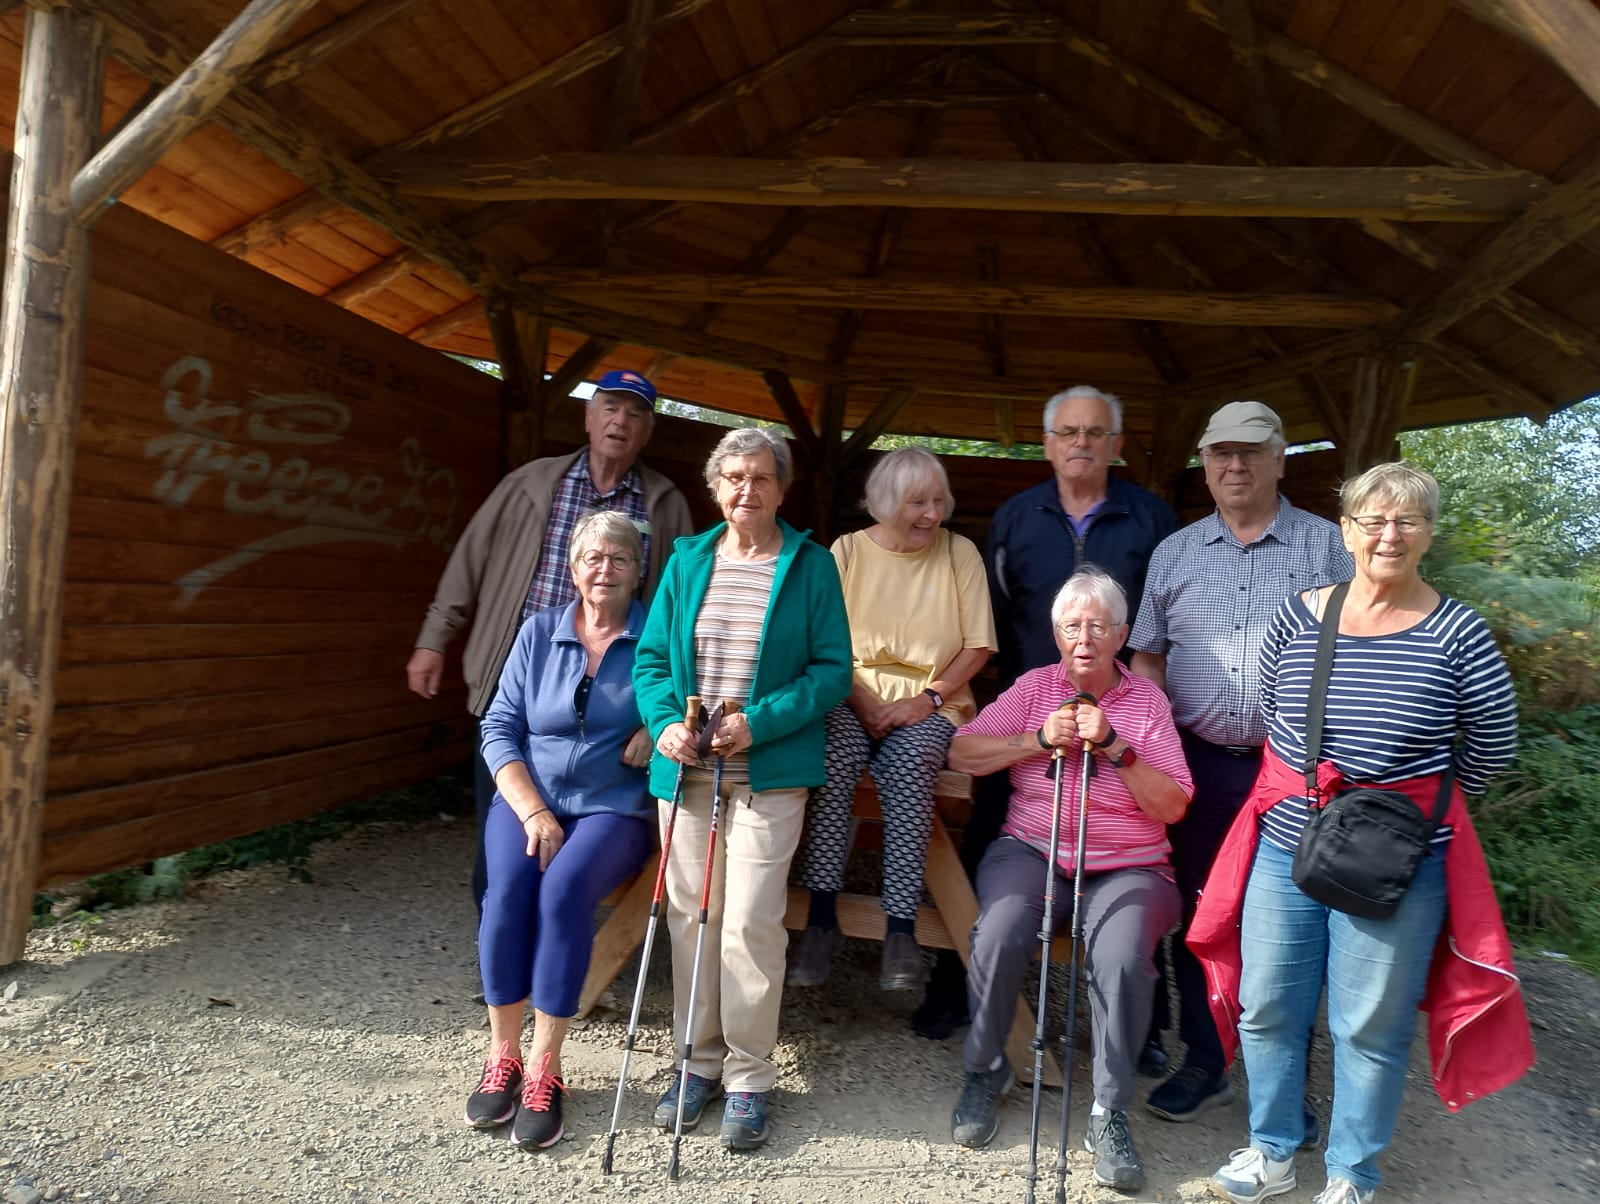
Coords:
921,216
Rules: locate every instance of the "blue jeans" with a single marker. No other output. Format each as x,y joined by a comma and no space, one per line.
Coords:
1375,971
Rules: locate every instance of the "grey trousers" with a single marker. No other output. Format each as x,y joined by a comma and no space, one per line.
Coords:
1126,912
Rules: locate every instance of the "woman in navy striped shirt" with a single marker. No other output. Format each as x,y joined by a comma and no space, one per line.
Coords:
1413,671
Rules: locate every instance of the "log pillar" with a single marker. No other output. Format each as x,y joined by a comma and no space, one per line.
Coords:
521,344
1378,400
46,294
1172,442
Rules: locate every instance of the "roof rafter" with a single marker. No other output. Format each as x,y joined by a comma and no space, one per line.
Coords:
315,49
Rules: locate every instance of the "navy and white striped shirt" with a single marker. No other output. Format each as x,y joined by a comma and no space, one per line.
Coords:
1395,704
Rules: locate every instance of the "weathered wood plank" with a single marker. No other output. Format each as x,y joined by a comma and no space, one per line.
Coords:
1565,31
311,52
1150,189
183,104
969,296
42,322
891,27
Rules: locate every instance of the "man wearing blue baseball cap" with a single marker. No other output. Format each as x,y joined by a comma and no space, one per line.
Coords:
511,561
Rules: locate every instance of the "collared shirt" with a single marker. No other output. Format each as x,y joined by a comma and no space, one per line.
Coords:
1208,602
575,496
1119,834
1033,549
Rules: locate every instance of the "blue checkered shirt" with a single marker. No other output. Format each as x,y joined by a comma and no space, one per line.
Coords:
1208,602
575,497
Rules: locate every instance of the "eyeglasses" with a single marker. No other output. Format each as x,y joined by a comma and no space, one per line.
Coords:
760,481
1406,524
617,560
1071,433
1094,630
1246,456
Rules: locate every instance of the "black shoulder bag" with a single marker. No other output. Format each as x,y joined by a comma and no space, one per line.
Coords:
1361,848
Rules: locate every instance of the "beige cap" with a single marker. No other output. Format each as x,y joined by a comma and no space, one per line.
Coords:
1242,422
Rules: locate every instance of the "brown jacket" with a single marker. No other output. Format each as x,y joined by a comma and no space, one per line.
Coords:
491,568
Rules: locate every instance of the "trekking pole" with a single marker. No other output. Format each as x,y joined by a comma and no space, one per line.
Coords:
712,720
1069,1038
1046,933
691,720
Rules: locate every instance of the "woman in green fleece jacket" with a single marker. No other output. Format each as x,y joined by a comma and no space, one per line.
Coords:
750,612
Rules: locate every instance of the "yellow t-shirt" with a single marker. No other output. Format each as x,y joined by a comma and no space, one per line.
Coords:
911,613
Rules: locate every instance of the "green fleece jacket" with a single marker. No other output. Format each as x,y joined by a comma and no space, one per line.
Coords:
802,670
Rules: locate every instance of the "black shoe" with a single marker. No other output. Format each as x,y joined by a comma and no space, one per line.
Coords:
1190,1092
494,1100
538,1122
944,1002
701,1092
1116,1162
1153,1059
976,1120
744,1120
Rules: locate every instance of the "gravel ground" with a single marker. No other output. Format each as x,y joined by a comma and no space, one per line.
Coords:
270,1040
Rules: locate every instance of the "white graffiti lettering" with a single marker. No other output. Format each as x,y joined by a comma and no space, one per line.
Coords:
331,503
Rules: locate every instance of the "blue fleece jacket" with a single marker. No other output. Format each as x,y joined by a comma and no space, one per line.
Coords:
575,762
802,669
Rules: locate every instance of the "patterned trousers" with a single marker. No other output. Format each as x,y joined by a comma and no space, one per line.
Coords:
905,766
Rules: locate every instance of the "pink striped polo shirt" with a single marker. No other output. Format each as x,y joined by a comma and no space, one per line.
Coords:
1120,835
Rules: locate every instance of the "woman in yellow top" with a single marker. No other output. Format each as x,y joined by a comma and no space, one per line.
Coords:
920,627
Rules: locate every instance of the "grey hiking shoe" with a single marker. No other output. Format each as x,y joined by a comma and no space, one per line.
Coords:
701,1092
813,957
744,1120
976,1119
1116,1162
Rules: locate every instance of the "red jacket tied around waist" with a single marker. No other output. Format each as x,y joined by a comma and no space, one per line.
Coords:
1478,1035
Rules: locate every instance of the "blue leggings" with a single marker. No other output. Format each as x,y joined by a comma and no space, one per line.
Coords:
537,929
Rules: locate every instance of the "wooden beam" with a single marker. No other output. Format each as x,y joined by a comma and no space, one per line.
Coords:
43,313
636,27
1565,31
794,413
1555,221
1502,387
1144,329
1381,389
183,105
1244,377
602,48
312,51
577,367
401,264
874,424
890,27
448,322
1322,310
1147,189
1561,332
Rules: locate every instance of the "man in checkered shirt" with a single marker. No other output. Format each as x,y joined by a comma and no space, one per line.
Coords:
1210,593
511,560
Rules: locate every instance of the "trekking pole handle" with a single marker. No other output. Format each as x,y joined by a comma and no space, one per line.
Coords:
1084,697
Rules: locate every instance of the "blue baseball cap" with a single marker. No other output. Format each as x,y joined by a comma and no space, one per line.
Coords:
624,381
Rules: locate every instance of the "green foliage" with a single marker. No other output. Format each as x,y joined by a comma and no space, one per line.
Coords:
961,447
289,845
1518,539
1540,827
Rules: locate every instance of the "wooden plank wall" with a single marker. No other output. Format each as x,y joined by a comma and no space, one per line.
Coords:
266,489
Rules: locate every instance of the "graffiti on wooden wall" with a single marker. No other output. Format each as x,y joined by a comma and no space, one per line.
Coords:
276,456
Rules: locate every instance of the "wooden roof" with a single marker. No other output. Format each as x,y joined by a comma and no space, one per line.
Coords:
926,216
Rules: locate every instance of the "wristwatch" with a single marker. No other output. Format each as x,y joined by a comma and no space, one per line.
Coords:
1125,758
938,698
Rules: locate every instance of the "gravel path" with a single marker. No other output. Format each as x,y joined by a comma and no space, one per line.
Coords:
269,1040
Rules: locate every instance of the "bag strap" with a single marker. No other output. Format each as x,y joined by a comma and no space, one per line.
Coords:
1317,702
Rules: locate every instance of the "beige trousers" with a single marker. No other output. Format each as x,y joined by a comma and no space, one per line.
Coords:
735,1021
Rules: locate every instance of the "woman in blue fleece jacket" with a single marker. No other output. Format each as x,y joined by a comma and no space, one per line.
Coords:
569,822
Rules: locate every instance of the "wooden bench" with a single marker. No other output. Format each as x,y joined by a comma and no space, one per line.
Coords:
945,925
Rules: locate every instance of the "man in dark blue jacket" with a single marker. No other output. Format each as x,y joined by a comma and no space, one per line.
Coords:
1083,515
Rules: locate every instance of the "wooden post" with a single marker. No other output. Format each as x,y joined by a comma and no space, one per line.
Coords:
41,375
1378,400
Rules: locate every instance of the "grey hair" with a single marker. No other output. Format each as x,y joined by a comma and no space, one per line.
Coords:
751,441
1398,482
1091,585
895,475
605,526
1110,400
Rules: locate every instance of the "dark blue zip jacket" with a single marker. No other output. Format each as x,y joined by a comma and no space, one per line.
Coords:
1032,550
576,764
